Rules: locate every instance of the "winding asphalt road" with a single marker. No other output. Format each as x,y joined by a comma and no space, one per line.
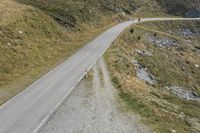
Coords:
28,111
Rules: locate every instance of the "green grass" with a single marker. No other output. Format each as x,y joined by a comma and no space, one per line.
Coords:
152,115
191,110
136,104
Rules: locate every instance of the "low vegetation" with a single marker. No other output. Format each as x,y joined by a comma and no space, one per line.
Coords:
73,14
171,65
36,35
32,43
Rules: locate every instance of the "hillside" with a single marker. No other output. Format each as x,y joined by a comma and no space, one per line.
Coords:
155,66
37,35
186,8
70,13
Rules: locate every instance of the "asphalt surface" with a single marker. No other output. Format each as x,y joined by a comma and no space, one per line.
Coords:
30,110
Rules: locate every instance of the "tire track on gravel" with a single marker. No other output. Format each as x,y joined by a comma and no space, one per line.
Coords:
93,107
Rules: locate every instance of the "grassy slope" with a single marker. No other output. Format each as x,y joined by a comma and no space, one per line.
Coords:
72,13
163,110
161,8
31,43
37,36
178,7
174,66
182,71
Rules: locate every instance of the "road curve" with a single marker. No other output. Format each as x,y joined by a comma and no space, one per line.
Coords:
30,109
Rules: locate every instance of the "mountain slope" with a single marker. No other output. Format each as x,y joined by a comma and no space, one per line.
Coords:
35,35
155,66
186,8
32,42
72,13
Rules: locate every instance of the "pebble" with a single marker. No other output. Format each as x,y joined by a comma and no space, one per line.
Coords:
197,66
173,131
20,32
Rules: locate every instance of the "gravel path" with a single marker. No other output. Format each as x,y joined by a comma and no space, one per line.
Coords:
93,108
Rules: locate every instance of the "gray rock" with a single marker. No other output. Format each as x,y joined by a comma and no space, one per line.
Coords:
196,65
192,13
144,75
166,42
189,32
144,52
183,93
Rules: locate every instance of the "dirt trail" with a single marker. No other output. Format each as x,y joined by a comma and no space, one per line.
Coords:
93,108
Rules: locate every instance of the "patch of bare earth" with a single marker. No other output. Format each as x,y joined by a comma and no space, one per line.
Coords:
94,107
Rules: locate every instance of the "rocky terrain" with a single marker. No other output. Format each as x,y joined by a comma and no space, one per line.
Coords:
155,65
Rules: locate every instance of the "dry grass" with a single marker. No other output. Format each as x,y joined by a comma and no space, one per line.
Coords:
32,43
159,108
